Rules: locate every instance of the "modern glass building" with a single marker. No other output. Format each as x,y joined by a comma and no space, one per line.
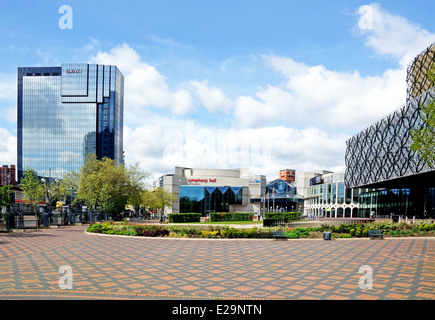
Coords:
280,196
66,113
214,190
328,197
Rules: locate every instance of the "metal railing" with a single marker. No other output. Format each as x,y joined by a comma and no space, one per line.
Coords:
312,223
24,217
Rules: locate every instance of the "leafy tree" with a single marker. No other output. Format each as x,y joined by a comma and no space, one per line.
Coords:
423,137
159,198
32,188
108,185
5,196
136,184
69,184
163,198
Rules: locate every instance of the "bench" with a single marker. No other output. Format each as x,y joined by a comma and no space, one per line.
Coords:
376,233
279,235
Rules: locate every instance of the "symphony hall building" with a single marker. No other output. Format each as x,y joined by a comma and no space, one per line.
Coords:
214,190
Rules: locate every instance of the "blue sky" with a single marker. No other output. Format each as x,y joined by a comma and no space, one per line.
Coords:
267,85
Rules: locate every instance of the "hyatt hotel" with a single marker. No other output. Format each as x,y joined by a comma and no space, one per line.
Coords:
66,113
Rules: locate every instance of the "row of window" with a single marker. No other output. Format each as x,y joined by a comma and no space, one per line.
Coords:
331,193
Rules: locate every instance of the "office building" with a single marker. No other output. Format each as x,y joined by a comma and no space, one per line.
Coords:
7,175
326,196
66,113
288,175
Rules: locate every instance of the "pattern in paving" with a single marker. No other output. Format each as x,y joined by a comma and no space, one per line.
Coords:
113,267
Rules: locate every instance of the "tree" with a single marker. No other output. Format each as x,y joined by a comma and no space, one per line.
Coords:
69,184
136,185
107,184
423,136
5,196
6,200
32,188
158,198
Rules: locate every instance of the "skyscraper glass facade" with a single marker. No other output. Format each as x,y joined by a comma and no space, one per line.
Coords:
66,113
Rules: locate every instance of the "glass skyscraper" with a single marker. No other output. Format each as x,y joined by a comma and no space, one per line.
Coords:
66,113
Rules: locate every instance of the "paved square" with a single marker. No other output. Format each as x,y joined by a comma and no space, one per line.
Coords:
113,267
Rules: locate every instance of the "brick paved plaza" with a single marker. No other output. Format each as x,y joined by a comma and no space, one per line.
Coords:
114,267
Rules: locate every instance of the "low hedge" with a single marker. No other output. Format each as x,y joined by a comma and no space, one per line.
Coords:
231,216
128,229
282,215
184,217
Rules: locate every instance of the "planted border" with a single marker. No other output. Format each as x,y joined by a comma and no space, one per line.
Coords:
231,216
424,228
282,215
184,217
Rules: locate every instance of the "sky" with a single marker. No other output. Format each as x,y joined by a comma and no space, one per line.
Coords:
266,85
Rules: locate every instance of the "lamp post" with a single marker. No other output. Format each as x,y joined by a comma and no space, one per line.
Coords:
45,189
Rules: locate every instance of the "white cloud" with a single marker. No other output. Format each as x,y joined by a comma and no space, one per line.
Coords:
211,98
8,148
393,35
8,97
266,150
316,96
144,86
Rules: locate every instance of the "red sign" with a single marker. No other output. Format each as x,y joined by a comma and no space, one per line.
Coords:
201,180
74,70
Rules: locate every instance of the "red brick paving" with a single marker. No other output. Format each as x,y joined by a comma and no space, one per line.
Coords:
111,267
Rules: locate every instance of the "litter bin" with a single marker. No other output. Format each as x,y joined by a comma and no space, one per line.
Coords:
327,235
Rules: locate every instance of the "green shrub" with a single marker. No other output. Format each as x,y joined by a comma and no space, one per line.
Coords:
385,226
345,235
301,232
282,215
227,232
344,228
291,235
231,216
96,228
184,217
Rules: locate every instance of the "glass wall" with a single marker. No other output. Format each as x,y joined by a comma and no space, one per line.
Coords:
54,137
204,200
334,199
386,202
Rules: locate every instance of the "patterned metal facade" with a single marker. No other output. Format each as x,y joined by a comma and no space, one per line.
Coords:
382,151
416,77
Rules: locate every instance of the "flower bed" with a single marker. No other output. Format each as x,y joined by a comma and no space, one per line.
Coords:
422,228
